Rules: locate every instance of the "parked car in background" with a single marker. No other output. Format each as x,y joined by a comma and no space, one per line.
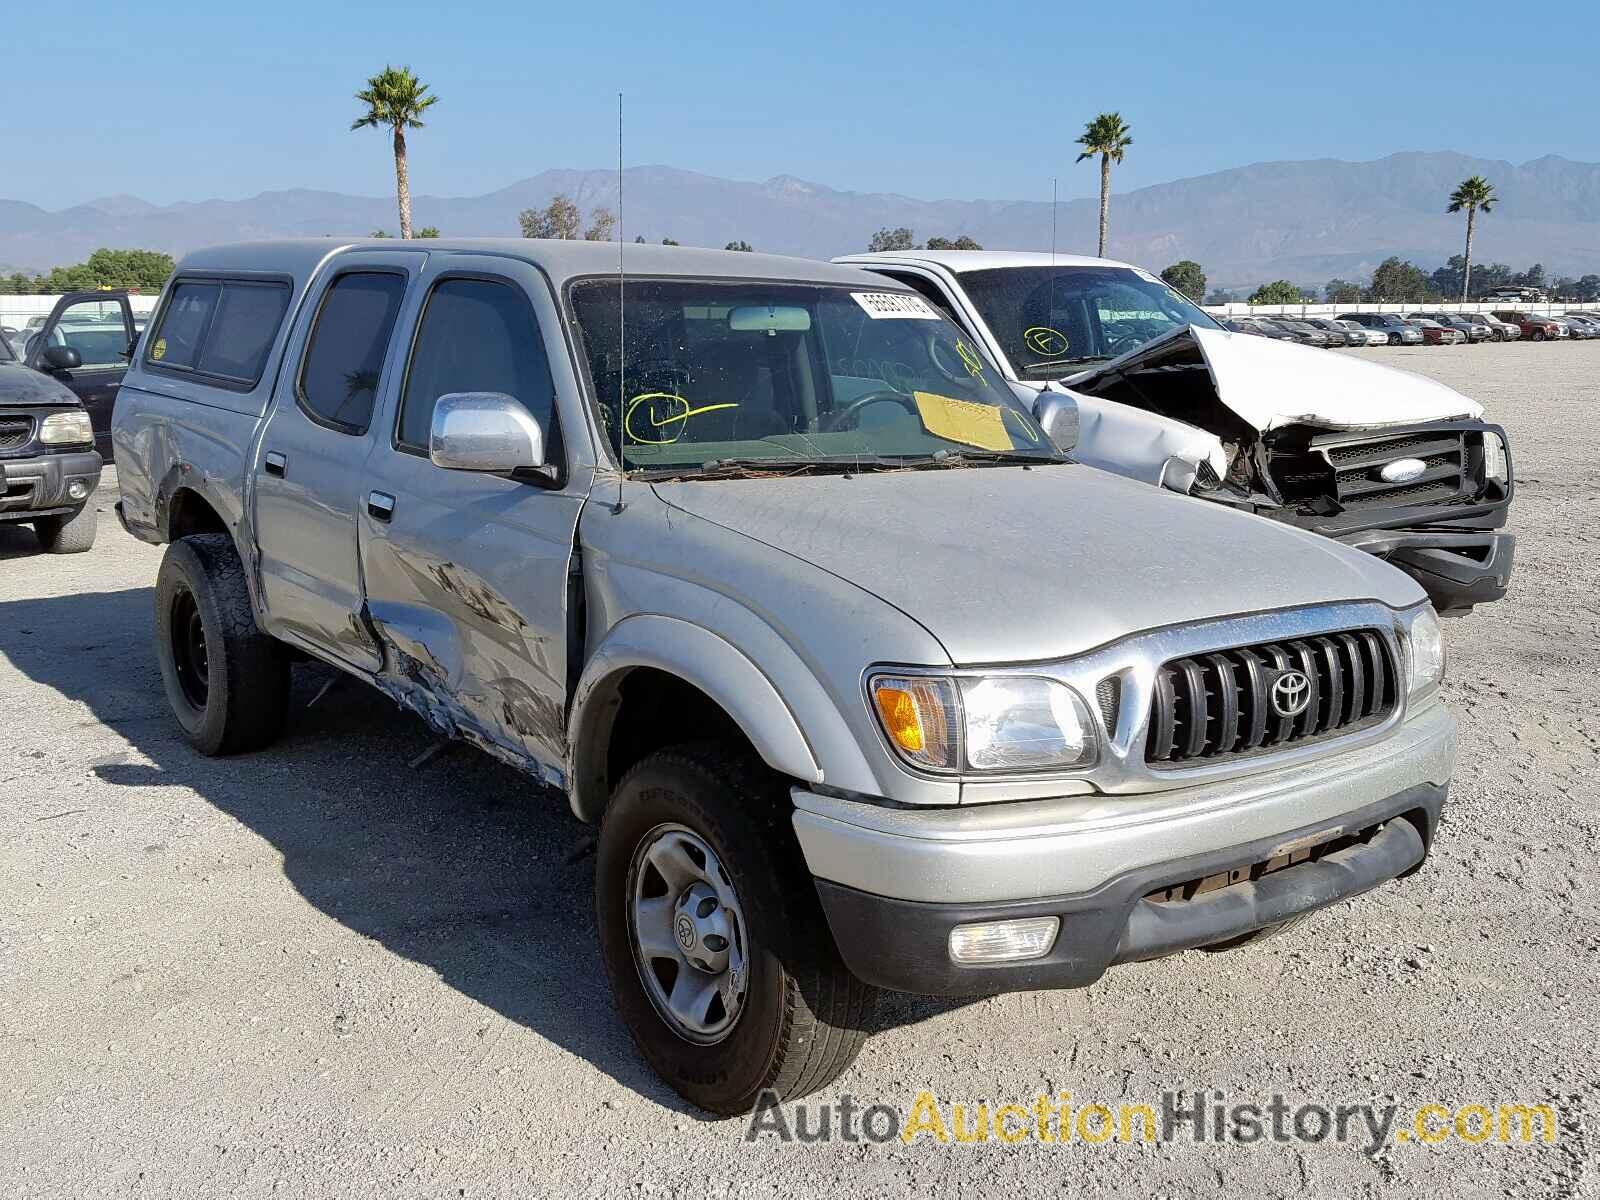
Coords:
1261,327
1435,334
1306,335
1504,331
1564,329
85,343
1517,295
1471,332
1374,337
1338,335
1203,724
1538,329
1395,330
48,465
1327,442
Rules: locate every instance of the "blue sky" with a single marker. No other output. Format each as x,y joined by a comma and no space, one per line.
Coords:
932,99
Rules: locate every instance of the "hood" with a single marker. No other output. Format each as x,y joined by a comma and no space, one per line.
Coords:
20,385
1271,383
1003,564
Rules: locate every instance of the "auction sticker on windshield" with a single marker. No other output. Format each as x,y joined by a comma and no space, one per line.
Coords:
881,306
963,421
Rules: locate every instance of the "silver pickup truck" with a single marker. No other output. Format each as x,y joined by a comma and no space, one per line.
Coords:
763,565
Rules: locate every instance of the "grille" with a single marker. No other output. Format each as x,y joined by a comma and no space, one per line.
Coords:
1219,705
1356,466
15,431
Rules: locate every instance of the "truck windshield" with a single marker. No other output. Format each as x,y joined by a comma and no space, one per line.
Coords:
1052,320
734,375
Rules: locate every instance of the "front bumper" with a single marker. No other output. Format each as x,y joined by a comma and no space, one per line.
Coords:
38,487
1457,568
894,882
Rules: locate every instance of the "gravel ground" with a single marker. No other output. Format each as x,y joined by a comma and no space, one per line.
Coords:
316,971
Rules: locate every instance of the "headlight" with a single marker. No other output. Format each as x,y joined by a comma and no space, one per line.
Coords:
992,724
1424,651
1494,458
66,429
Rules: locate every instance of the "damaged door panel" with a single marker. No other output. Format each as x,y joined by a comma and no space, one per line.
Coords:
465,572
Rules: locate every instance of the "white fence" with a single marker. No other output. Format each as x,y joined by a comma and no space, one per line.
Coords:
15,310
1241,309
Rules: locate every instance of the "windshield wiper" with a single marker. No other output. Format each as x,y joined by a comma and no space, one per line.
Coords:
721,468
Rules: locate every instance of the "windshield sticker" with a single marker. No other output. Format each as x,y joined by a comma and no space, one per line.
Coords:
159,350
884,306
666,413
963,421
1046,342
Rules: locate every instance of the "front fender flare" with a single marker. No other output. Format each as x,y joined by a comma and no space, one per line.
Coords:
698,657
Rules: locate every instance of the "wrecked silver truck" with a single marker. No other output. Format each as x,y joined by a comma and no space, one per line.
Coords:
1381,459
761,563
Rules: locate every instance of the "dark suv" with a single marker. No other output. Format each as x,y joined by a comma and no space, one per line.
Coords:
48,465
85,344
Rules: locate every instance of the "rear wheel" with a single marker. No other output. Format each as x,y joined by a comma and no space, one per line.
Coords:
227,682
71,534
717,948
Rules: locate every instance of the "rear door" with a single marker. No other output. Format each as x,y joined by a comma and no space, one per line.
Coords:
340,362
99,326
467,574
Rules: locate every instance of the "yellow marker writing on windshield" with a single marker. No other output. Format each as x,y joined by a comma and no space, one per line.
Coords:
677,419
970,357
1044,341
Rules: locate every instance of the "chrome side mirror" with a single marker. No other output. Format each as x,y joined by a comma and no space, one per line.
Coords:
484,431
1057,414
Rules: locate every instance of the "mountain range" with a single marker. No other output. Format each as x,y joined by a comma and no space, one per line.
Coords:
1306,221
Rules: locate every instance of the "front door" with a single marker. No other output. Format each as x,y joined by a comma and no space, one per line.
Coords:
99,327
307,473
467,574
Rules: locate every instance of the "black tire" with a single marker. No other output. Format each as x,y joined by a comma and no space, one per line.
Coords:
1256,935
73,534
804,1015
1538,335
227,682
1394,339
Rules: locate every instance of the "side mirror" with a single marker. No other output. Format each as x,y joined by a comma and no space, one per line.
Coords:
62,358
484,431
1057,414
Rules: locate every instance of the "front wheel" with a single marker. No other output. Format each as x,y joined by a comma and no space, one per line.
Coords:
1538,335
227,682
717,948
71,534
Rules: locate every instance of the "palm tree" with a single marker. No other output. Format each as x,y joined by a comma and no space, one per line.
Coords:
1472,194
1108,137
396,98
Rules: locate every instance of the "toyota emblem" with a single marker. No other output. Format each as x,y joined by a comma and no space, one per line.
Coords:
1291,693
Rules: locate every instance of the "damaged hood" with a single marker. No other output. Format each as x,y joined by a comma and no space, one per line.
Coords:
1003,564
21,385
1270,384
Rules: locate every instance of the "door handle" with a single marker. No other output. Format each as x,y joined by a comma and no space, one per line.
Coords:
380,506
276,463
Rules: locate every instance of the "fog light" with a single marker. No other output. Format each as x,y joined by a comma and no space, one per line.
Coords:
1003,941
77,489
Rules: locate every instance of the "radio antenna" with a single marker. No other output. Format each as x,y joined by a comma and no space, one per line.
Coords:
1053,188
622,327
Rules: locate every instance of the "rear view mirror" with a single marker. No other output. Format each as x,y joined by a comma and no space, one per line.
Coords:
62,358
769,318
1057,414
484,431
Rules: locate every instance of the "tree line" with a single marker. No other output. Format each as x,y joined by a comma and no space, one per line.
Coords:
140,270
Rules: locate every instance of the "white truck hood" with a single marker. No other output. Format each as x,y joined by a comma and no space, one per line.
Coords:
1270,384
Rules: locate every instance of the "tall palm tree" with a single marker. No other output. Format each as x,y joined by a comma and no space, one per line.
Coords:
1108,137
396,98
1472,194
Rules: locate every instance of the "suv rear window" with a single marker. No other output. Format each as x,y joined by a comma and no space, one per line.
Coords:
221,328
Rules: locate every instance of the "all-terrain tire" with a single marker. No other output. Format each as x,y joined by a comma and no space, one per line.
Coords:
805,1016
73,534
227,682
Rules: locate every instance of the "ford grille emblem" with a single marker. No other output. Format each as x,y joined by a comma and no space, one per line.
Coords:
1402,470
1291,693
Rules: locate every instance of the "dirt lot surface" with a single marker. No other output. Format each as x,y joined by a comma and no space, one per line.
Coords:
316,971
